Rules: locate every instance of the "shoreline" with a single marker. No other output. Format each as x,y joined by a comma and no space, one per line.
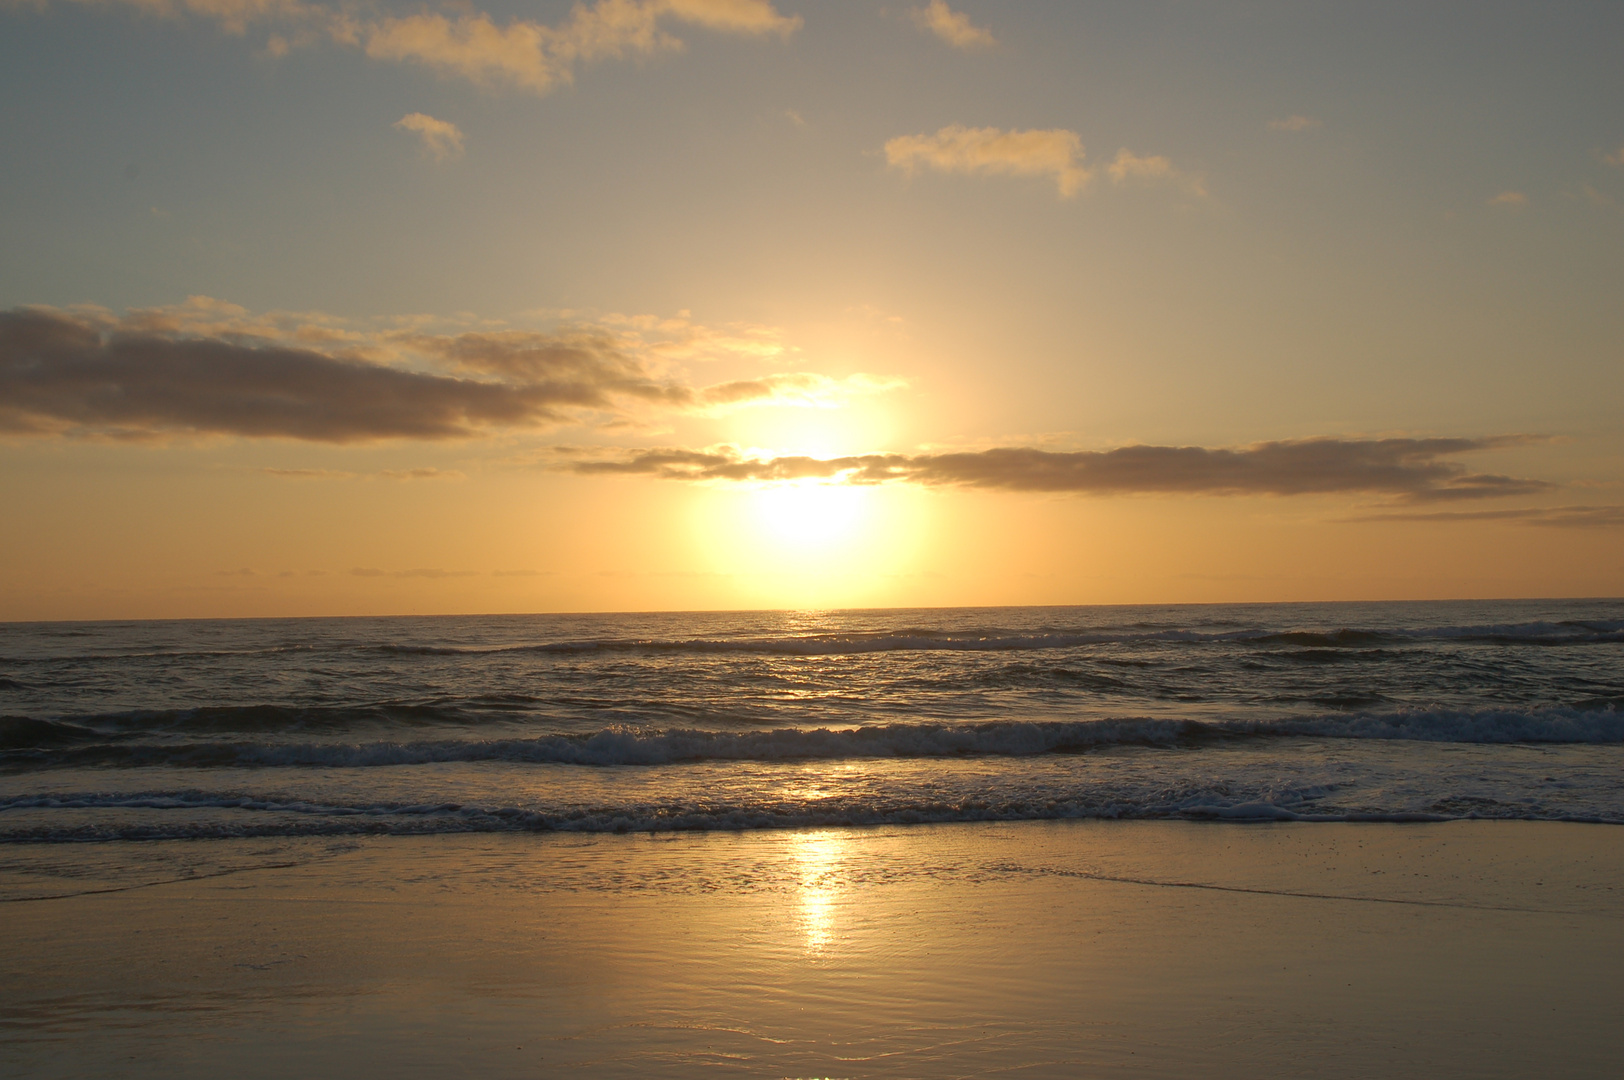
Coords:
1466,948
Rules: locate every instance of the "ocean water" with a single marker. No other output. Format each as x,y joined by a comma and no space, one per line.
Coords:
127,731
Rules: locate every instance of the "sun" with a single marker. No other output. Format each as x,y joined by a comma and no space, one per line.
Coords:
810,543
808,518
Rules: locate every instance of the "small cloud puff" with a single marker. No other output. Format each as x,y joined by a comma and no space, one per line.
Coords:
1512,199
1053,152
1295,122
1615,159
992,151
441,138
1130,166
953,27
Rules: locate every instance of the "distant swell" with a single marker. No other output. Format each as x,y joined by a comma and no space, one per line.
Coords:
998,640
53,743
988,639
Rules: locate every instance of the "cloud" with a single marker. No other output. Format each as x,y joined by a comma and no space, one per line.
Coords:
536,57
309,474
1128,166
432,573
206,367
233,16
1294,122
62,374
1616,158
1598,198
1412,470
426,473
1512,199
798,388
953,27
1559,517
991,151
470,44
441,138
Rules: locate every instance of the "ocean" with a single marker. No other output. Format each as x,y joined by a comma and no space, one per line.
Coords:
116,732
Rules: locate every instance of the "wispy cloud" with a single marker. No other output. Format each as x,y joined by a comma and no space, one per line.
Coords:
422,473
309,474
211,368
1294,122
1511,199
1128,166
1616,158
1599,198
432,573
1411,470
441,138
953,27
1054,152
470,44
1559,517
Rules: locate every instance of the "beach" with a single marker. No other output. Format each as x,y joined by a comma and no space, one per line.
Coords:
1063,948
811,541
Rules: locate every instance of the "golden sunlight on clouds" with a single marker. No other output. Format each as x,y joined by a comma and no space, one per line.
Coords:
1514,200
1054,152
471,44
441,138
953,27
1130,166
991,152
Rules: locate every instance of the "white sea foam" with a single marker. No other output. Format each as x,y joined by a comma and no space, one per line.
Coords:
183,815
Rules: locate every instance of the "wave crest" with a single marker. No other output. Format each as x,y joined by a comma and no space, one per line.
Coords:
49,743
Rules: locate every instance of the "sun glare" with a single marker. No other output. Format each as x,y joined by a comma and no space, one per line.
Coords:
805,517
809,544
818,859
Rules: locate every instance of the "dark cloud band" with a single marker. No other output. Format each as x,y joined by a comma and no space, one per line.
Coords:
1413,469
58,373
62,372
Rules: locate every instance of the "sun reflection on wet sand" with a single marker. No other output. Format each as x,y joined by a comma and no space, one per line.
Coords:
818,859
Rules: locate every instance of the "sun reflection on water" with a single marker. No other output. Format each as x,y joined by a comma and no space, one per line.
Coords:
818,861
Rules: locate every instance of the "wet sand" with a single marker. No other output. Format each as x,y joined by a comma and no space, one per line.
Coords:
1465,949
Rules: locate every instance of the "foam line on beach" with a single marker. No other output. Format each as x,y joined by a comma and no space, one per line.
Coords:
180,815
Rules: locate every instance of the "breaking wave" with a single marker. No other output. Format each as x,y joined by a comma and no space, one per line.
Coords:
35,743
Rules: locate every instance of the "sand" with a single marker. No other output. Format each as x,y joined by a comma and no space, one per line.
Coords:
1144,949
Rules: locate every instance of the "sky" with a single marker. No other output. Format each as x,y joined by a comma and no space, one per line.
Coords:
373,308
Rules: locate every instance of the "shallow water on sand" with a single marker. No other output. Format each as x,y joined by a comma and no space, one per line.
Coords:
1048,949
